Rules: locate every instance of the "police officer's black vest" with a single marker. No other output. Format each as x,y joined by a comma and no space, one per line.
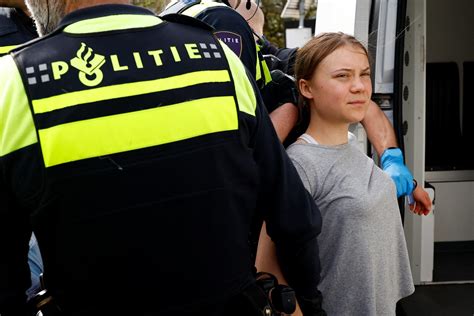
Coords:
88,82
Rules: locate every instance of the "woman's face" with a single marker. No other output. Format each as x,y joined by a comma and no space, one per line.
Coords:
340,88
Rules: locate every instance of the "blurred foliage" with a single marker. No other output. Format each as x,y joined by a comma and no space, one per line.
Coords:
154,5
311,14
274,28
274,24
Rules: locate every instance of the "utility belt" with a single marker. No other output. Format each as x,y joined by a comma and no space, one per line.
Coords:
43,304
265,297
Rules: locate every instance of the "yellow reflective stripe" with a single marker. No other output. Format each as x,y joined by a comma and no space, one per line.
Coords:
262,67
136,130
6,49
266,73
113,23
246,98
258,70
128,90
258,66
17,129
198,8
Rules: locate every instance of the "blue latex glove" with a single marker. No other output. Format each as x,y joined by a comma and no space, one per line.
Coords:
392,163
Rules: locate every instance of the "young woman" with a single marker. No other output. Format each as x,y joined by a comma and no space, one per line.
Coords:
364,261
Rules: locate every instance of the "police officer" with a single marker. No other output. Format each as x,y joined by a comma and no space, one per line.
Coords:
234,30
16,27
139,164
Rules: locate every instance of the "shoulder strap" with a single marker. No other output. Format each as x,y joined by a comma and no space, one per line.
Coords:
309,139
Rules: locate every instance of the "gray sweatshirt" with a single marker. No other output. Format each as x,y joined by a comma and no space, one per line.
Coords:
364,259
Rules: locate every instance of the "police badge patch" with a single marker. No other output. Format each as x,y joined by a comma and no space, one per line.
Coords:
233,40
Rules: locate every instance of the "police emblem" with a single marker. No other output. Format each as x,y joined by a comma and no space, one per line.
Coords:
233,40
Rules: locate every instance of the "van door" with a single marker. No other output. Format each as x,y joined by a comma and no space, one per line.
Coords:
419,231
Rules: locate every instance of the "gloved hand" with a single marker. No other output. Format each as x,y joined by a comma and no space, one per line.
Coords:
392,163
281,90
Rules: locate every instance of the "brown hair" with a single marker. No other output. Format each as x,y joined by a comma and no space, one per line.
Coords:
311,55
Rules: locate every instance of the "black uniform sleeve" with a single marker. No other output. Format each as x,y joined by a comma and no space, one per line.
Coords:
282,89
233,30
293,220
279,58
14,237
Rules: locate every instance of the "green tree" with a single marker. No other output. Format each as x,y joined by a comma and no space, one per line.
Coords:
273,28
274,25
154,5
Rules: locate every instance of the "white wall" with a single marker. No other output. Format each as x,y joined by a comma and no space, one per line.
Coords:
454,212
450,37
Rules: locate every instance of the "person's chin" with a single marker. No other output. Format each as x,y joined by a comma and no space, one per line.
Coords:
357,116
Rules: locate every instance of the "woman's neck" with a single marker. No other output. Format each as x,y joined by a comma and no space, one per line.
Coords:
327,133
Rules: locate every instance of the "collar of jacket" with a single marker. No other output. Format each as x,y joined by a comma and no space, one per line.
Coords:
100,11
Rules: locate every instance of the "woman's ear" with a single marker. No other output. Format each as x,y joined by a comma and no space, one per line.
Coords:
305,89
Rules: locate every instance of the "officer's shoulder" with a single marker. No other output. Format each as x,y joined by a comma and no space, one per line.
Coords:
225,18
224,12
5,12
6,22
8,18
31,43
187,20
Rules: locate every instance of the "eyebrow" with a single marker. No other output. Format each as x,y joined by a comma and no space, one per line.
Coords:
350,69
